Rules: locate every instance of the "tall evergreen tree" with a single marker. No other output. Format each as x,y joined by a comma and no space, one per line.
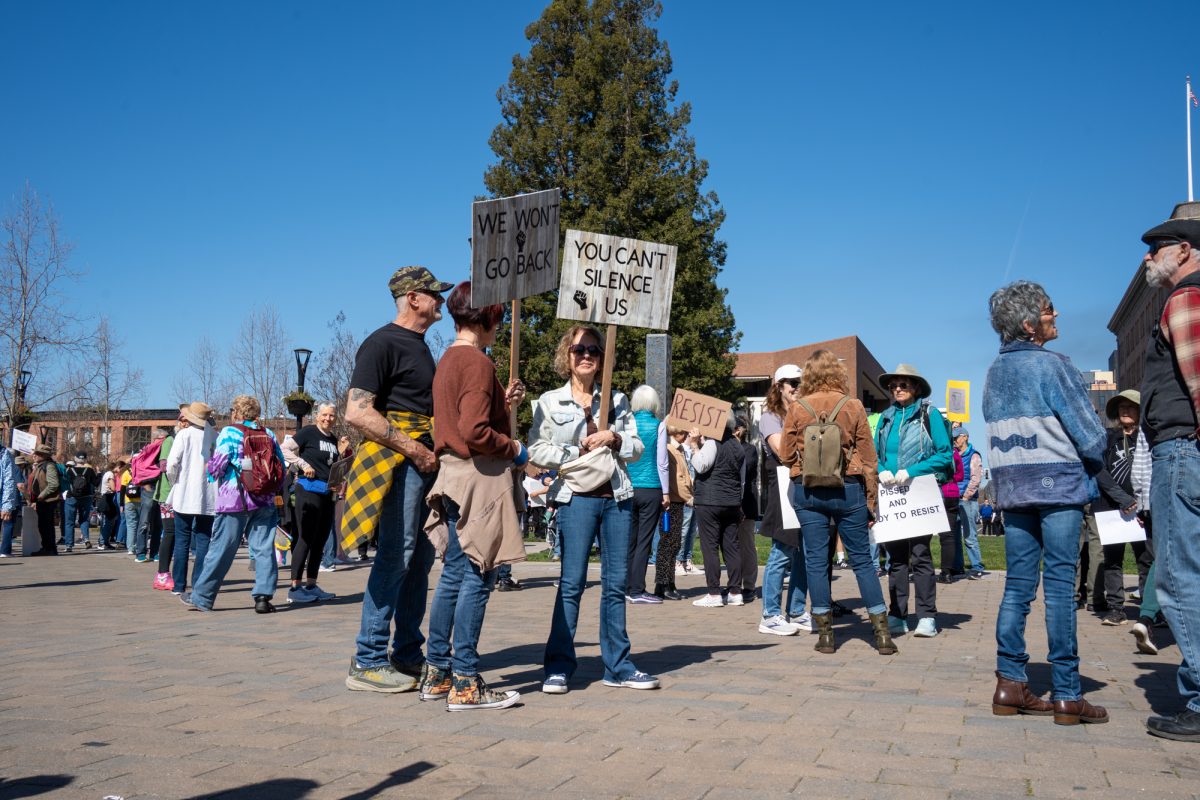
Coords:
591,109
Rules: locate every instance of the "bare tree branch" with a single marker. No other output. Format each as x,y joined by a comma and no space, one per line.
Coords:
260,359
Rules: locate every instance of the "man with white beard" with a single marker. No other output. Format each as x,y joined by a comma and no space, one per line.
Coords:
1171,421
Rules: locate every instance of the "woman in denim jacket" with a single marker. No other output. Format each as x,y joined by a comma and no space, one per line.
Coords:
564,428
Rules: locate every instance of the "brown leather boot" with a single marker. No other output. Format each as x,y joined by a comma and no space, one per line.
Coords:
1073,712
883,637
1014,697
823,623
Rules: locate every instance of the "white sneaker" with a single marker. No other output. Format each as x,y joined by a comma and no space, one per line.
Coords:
926,628
692,569
330,568
710,601
803,622
735,600
680,569
777,626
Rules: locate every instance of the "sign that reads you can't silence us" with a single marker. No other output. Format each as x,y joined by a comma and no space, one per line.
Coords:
514,247
611,280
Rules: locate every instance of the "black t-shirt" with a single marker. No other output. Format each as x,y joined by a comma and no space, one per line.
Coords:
319,450
395,365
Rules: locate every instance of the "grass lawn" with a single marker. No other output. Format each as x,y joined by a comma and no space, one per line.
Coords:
991,548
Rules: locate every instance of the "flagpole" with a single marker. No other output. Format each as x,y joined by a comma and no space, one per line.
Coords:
1187,106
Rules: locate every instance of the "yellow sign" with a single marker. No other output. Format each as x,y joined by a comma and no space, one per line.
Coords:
958,401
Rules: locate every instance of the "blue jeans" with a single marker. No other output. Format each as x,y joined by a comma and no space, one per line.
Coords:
228,528
1175,501
689,534
329,554
399,579
1048,536
193,533
459,604
816,509
578,523
75,512
130,517
968,510
784,558
9,528
148,517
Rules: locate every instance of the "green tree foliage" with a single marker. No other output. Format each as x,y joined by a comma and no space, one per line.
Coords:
591,110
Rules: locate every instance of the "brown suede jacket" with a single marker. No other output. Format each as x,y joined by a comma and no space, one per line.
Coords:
858,447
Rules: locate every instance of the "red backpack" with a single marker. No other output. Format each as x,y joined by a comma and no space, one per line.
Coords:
264,476
144,466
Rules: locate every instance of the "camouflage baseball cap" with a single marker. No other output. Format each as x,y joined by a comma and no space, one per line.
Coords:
415,279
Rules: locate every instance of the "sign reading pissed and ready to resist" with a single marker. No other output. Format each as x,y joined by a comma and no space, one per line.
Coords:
693,410
610,280
514,247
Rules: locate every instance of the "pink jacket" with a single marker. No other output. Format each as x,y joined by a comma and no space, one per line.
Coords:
951,489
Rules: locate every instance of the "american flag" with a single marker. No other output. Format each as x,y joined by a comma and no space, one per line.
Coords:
1193,97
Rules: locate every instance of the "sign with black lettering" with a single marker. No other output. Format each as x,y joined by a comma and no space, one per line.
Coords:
908,510
611,280
514,247
693,410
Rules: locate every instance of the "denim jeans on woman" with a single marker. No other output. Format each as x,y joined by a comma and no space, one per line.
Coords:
784,559
9,529
399,579
459,604
193,534
130,517
76,512
968,510
1175,503
1035,537
817,508
578,523
228,528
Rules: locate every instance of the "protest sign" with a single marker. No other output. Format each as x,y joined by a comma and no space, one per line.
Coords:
958,401
787,509
514,247
1116,527
908,510
612,280
693,410
23,442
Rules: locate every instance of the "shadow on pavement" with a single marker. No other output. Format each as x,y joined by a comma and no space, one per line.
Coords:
1157,680
297,788
59,583
1040,681
32,785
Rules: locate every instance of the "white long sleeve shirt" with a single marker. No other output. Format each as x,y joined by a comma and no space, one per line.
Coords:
191,492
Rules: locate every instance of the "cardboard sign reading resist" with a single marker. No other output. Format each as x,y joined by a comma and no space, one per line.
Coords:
615,281
514,247
692,410
908,510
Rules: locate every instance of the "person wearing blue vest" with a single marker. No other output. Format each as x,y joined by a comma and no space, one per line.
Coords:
912,440
968,505
651,491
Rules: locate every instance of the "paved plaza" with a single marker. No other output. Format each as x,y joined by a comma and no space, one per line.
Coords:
108,688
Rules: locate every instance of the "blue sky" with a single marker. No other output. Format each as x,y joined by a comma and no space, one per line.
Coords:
884,166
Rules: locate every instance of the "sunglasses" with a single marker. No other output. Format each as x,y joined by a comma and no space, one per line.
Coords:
590,349
1159,244
1049,311
792,382
906,385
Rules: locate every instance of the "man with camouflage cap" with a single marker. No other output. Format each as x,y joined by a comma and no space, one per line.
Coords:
391,405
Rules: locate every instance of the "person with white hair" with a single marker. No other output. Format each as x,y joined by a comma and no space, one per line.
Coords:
651,491
311,452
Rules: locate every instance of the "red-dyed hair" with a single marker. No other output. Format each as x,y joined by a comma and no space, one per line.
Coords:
463,313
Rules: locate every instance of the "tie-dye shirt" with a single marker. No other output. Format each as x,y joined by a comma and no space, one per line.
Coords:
225,467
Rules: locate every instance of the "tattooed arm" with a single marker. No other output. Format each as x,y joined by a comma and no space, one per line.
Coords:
363,416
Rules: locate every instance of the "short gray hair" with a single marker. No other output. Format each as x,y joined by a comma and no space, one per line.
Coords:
1014,305
322,406
645,398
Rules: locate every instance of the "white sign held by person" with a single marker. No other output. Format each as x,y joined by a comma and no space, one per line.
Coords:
23,442
610,280
1115,527
514,247
908,510
783,482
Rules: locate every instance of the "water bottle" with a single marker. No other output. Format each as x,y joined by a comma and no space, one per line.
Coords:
666,521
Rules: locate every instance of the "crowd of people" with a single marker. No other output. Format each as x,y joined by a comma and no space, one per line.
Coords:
440,472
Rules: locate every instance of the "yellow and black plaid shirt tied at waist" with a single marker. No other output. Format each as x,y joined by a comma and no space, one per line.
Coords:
371,479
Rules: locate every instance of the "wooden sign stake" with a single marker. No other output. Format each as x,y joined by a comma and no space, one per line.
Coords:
514,360
610,355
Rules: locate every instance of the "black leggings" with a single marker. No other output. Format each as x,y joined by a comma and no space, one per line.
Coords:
314,513
166,547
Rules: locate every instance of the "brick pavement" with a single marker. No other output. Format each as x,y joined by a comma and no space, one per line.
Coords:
110,688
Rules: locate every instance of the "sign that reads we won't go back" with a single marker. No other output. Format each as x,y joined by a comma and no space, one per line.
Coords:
514,247
611,280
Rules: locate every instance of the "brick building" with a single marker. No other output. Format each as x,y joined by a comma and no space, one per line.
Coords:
755,370
1131,323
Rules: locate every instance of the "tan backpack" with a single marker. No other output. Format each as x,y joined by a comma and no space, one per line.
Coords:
822,462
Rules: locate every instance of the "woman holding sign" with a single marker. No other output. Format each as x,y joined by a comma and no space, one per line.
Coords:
841,491
912,440
593,495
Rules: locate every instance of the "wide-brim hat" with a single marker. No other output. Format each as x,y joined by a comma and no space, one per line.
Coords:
197,413
416,279
1132,395
1184,225
907,371
43,450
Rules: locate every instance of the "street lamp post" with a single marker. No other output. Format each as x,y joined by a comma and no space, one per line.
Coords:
302,407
